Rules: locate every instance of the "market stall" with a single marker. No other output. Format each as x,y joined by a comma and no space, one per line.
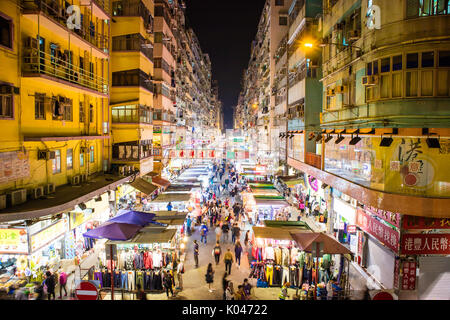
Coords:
179,201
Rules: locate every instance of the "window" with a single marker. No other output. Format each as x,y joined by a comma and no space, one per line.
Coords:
69,159
444,58
6,104
91,113
412,60
396,63
385,64
428,59
424,8
39,106
82,116
81,159
6,32
279,2
91,154
68,108
283,20
56,163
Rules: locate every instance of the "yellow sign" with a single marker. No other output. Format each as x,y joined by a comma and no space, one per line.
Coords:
78,218
13,241
47,235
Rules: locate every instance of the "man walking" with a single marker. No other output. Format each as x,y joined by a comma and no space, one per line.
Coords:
228,259
225,229
180,271
203,233
196,253
235,233
216,252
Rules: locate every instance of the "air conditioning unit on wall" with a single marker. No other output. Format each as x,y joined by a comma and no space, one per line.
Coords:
49,188
17,197
36,193
2,201
369,80
75,180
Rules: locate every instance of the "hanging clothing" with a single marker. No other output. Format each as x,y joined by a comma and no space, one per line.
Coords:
131,282
285,257
277,252
269,253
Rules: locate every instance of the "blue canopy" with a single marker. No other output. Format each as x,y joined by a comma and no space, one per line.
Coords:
133,217
113,231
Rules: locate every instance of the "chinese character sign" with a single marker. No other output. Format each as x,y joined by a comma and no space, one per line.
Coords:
382,232
13,241
438,243
409,275
414,222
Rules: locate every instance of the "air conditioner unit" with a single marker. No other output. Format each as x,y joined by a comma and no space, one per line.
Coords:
353,35
17,197
2,201
49,188
75,180
123,171
341,89
369,80
36,193
83,178
330,92
46,155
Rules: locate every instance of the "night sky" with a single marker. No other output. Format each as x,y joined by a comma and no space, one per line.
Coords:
225,29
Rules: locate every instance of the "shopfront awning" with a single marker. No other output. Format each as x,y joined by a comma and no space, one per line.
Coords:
181,187
275,203
306,241
143,186
160,182
173,197
271,233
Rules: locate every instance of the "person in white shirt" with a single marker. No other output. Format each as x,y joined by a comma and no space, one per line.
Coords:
180,271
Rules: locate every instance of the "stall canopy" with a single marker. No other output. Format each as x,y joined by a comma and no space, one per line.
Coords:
181,187
298,225
261,186
291,181
113,231
268,197
171,221
133,217
272,233
167,213
275,203
305,242
182,215
160,182
173,197
143,186
155,235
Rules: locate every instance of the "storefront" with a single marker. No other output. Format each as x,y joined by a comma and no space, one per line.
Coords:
425,259
344,213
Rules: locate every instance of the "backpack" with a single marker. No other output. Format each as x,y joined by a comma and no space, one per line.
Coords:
202,232
217,250
182,270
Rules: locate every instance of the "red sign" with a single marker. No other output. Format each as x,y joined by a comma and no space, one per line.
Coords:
383,295
396,273
391,217
86,291
426,243
351,229
409,275
413,222
385,234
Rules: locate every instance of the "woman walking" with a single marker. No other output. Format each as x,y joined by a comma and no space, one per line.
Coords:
209,276
216,252
50,283
237,253
62,283
168,283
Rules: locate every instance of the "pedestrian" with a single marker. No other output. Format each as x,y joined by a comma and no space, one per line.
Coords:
228,259
216,252
224,285
203,233
330,290
284,291
247,288
180,271
225,229
235,233
229,292
238,252
169,206
141,295
50,285
196,253
246,239
62,283
239,294
209,276
168,282
188,225
218,233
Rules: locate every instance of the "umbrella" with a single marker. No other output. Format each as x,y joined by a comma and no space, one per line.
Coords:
330,245
133,217
113,231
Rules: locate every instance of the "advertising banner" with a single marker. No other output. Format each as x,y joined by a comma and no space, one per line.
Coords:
438,243
413,222
391,217
385,234
13,241
47,235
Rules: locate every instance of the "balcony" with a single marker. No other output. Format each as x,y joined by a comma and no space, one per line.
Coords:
133,8
100,8
132,151
41,64
313,159
134,42
132,114
132,78
57,14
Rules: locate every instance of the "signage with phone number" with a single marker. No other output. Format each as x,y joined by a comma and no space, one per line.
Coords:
47,235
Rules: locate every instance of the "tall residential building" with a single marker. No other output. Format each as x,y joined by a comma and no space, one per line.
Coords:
132,85
54,107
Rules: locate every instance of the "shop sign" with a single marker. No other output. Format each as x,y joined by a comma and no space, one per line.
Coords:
47,235
396,273
391,217
409,275
78,218
438,243
314,183
385,234
13,241
413,222
351,228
